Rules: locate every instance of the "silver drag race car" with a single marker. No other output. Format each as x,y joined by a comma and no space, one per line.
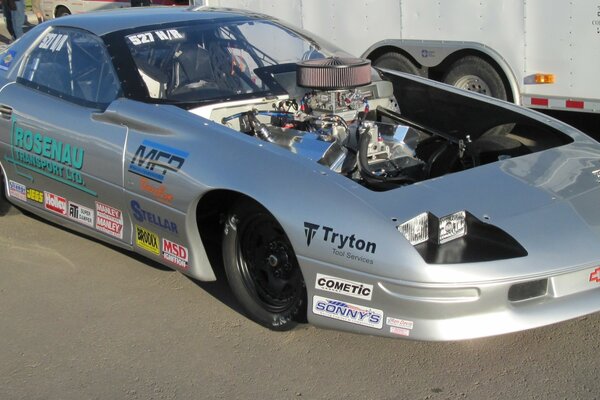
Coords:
362,200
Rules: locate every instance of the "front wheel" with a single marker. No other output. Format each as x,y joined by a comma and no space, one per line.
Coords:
261,267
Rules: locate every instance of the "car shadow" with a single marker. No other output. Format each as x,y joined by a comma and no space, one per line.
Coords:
218,289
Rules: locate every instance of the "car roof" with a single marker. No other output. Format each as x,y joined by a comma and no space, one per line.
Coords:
105,22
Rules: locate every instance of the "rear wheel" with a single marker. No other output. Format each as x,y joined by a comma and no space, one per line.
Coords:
261,267
476,75
62,11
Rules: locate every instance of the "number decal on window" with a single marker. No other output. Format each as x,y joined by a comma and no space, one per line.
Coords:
53,42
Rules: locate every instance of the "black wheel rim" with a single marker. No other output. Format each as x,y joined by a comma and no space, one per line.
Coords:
267,264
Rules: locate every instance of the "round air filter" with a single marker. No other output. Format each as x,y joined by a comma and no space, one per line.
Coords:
333,73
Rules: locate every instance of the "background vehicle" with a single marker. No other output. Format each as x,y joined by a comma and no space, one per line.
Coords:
529,52
59,8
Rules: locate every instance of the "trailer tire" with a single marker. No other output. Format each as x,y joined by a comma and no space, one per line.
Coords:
476,75
62,12
397,62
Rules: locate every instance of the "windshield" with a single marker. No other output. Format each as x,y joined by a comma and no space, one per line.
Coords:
209,60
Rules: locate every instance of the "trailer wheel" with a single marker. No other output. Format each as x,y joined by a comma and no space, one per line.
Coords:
476,75
397,62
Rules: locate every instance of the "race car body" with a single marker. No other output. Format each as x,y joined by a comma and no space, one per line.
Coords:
374,202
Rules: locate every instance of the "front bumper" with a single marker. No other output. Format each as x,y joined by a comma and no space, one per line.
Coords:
440,312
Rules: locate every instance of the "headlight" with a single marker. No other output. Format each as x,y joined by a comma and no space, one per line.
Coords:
445,240
417,230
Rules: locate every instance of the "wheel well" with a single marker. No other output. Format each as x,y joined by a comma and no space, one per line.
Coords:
437,73
391,49
210,213
58,8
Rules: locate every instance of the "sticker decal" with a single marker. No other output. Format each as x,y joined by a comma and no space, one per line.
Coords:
35,195
146,240
146,216
347,312
399,331
6,59
151,37
53,42
81,214
109,220
595,275
345,246
47,156
54,203
399,323
342,286
17,190
175,253
158,193
152,160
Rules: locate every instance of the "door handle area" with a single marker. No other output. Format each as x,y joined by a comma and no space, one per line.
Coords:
5,111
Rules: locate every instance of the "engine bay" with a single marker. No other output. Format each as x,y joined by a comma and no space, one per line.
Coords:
339,118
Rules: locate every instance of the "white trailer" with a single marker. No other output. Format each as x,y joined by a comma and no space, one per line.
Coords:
538,53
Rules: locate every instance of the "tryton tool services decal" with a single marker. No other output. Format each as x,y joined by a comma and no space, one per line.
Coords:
343,245
41,153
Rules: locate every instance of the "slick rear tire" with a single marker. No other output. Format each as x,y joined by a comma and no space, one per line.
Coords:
397,62
261,267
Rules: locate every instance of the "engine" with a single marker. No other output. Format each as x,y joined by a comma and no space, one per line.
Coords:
346,122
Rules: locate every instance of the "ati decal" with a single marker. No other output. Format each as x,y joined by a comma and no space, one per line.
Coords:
147,240
143,215
45,155
159,193
17,190
343,286
348,312
81,214
55,203
175,253
595,275
35,195
152,160
109,220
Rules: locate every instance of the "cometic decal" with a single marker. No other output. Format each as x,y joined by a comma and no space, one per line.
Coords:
48,156
342,286
152,160
147,240
348,312
109,220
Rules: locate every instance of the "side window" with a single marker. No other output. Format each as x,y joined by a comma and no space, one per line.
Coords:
73,65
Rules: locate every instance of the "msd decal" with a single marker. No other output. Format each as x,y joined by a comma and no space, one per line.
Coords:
175,253
595,275
109,220
17,190
343,286
348,312
152,160
55,203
